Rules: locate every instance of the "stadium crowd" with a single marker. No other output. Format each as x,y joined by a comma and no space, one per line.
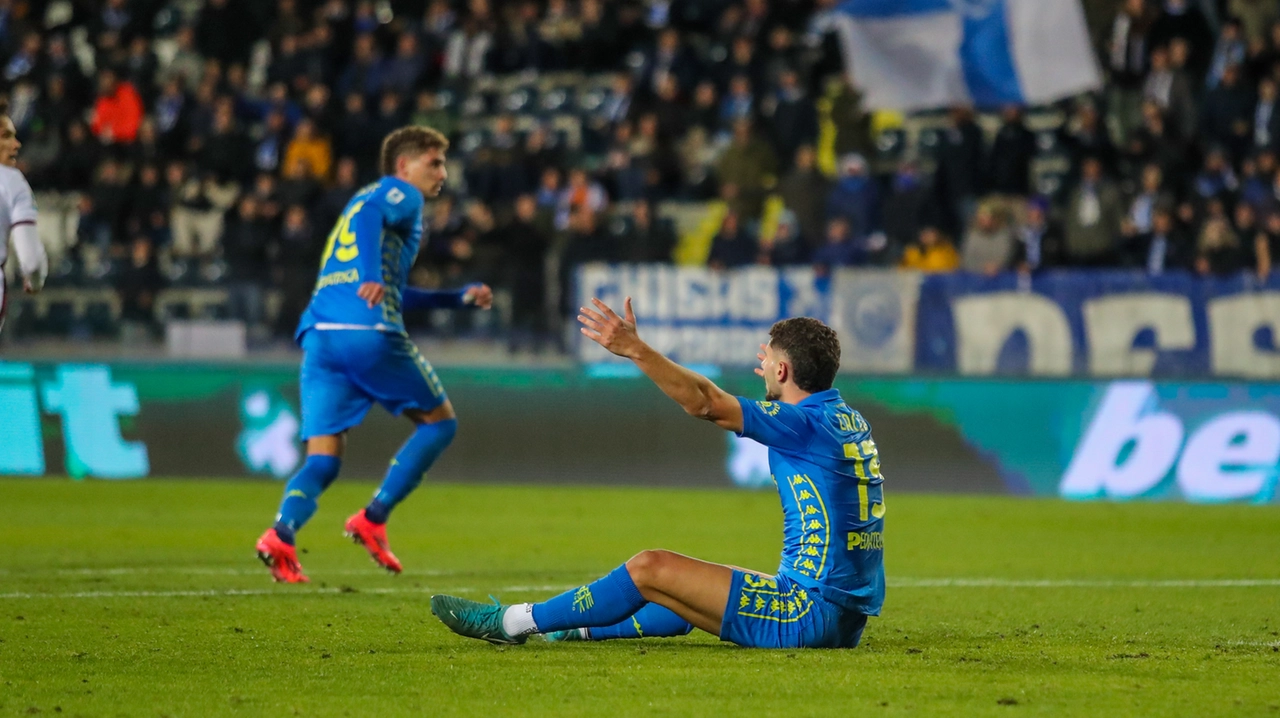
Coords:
190,143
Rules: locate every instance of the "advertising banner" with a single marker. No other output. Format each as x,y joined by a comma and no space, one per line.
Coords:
1193,441
1104,324
1099,323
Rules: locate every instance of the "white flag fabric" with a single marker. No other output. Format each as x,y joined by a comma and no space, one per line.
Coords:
926,54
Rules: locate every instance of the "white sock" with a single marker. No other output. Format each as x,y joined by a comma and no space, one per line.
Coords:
517,620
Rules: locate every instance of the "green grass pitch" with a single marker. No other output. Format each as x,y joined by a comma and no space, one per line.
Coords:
144,599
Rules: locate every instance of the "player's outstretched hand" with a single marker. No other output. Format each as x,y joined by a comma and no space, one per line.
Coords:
372,292
479,295
611,331
760,355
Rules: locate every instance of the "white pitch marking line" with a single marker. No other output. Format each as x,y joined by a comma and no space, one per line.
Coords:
217,593
1080,583
898,583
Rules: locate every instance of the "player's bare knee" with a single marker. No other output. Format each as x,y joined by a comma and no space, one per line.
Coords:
648,567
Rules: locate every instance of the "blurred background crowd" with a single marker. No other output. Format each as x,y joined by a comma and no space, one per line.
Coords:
189,157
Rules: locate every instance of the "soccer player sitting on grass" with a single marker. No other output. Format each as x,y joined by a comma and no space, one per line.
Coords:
356,351
827,471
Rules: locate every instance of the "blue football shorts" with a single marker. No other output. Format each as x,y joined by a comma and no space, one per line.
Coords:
776,612
345,371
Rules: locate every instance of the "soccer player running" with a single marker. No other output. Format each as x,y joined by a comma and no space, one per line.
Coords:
827,471
356,351
17,217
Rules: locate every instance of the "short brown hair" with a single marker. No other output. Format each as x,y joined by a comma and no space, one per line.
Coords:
411,140
812,347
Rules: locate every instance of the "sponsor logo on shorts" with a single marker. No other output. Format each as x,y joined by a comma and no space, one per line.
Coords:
866,540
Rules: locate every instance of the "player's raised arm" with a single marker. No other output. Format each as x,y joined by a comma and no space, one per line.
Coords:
696,394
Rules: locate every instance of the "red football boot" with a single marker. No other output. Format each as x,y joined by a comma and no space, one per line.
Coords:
374,538
281,558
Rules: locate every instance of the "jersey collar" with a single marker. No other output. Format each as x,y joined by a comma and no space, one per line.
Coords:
821,397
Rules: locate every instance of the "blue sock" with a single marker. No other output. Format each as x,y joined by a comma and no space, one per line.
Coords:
652,621
301,492
411,462
603,602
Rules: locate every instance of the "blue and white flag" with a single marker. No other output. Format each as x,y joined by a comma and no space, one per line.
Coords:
924,54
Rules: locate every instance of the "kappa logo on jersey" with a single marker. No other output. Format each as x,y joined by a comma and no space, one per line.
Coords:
394,196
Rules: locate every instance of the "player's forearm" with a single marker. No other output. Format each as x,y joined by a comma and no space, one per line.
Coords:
32,260
438,299
695,393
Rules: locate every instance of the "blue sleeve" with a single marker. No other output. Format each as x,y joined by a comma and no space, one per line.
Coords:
776,425
429,299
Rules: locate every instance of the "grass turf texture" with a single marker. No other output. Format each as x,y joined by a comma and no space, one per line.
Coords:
144,599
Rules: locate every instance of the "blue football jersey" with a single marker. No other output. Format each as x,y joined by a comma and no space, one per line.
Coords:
375,240
827,470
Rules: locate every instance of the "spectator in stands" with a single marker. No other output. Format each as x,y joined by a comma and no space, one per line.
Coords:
1267,247
958,178
855,198
1171,91
840,250
346,180
197,214
669,57
541,152
74,172
804,191
1266,116
792,119
1227,115
1039,240
1229,50
427,111
988,245
118,111
364,74
1151,192
225,31
581,194
1085,135
932,253
1218,249
186,66
599,48
852,121
138,281
1216,180
786,247
648,238
467,47
734,246
705,113
404,71
310,150
1009,162
297,186
227,152
294,257
1164,248
744,62
1247,228
1094,212
525,244
1182,19
244,243
148,195
749,164
1157,142
738,104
